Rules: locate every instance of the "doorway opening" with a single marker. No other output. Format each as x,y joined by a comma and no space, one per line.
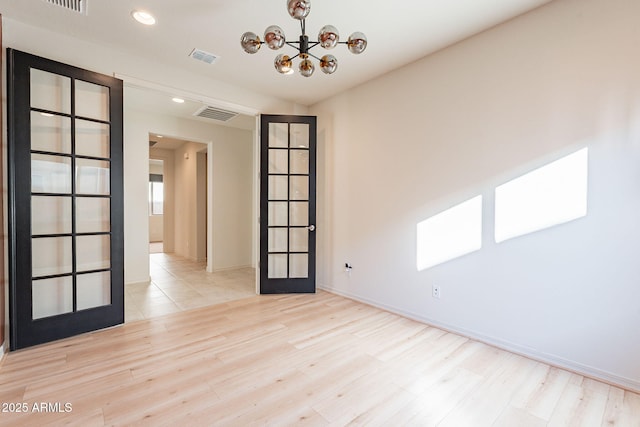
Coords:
178,175
209,181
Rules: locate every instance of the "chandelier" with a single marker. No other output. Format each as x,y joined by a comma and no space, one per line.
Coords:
328,38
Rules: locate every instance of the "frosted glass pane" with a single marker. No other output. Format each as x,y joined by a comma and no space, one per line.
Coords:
50,215
278,161
299,213
92,215
50,91
278,135
277,240
50,133
298,240
299,161
92,101
299,266
93,253
51,297
51,255
93,290
278,188
299,135
277,266
92,177
299,188
92,139
50,174
277,214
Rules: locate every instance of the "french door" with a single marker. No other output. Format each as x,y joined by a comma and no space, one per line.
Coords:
287,204
66,250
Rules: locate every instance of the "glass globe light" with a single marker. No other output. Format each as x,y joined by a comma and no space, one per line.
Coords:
357,43
328,64
306,67
250,42
328,37
283,64
274,37
299,9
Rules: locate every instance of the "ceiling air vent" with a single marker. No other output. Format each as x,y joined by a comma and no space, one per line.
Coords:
215,114
201,55
79,6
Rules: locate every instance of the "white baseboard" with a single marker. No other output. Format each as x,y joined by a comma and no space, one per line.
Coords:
550,359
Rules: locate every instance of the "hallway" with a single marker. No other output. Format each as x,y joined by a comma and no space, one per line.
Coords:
178,284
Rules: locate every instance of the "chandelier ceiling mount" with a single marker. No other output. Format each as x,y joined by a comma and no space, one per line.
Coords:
328,38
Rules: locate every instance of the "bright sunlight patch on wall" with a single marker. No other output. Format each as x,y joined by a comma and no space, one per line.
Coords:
450,234
551,195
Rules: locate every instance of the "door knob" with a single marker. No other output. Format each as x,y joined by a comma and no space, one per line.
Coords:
311,227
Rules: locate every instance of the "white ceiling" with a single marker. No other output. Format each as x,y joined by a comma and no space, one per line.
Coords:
165,142
398,32
158,102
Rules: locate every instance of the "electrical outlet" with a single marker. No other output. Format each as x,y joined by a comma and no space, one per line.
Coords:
347,268
435,291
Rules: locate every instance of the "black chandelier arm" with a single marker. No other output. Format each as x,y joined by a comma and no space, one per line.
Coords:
312,45
313,56
298,54
298,45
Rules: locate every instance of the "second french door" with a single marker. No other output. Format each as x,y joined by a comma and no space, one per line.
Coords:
287,204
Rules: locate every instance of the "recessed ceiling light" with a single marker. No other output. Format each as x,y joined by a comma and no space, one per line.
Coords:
159,136
143,17
178,100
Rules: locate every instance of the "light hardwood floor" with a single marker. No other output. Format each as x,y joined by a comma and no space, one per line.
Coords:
289,360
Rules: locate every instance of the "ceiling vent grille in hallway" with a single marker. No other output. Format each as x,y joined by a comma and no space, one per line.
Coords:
201,55
215,114
79,6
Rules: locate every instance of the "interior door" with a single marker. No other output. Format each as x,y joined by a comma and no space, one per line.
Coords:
66,250
287,204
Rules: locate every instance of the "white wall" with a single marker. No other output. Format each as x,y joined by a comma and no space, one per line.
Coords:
185,199
201,202
232,204
156,225
454,125
232,198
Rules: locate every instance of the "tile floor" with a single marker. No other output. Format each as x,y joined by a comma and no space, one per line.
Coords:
178,284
